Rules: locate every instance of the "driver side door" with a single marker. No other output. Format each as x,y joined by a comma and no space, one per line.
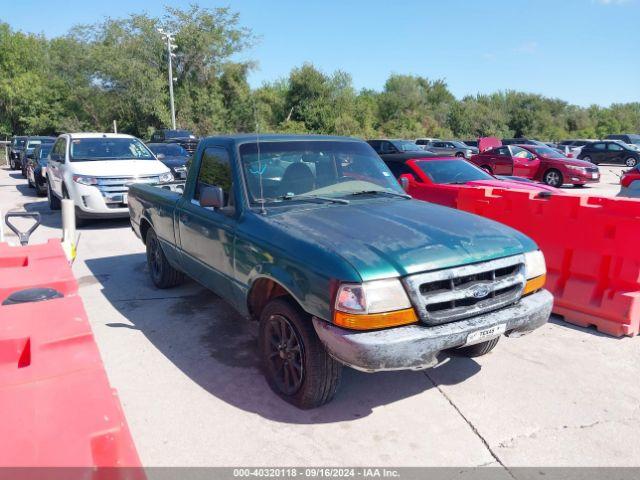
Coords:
207,234
55,165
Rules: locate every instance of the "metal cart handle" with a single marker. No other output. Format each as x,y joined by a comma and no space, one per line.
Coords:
22,236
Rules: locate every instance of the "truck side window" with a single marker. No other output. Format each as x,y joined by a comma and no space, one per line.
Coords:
215,171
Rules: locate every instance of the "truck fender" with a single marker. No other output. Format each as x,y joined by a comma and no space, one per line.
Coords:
285,284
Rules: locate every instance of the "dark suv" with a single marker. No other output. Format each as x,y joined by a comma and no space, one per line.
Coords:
629,138
184,138
27,152
17,145
610,151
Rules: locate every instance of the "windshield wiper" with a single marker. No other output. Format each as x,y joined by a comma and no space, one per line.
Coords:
314,197
380,192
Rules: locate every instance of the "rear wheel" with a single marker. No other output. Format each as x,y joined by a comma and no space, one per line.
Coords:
553,178
587,159
631,162
487,169
12,163
163,275
478,349
296,365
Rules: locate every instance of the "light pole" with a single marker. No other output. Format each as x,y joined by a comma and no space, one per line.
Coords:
168,37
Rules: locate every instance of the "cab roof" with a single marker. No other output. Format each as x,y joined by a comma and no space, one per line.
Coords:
98,135
275,137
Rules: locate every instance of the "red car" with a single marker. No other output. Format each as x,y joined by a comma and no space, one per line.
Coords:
539,163
630,183
438,179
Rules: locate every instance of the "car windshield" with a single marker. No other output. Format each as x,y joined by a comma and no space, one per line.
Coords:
407,146
169,150
20,142
452,171
330,169
548,152
177,133
96,149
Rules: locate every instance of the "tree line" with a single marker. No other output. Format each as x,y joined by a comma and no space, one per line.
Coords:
117,70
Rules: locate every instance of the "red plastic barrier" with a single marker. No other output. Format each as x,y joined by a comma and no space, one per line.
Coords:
58,409
589,243
35,266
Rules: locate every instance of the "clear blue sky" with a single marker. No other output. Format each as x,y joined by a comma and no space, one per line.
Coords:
582,51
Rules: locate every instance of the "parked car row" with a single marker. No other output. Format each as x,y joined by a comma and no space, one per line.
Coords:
534,160
95,169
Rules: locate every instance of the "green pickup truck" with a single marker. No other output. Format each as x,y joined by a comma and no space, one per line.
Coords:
313,237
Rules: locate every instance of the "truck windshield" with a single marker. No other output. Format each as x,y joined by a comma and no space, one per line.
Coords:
95,149
284,170
452,171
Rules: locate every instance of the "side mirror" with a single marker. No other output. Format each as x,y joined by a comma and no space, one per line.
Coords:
212,197
404,181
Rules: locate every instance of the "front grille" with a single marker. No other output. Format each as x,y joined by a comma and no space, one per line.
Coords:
592,169
453,294
113,188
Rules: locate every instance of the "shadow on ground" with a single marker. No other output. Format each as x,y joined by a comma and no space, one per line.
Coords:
217,348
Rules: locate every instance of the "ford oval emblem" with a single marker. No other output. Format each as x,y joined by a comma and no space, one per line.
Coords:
480,291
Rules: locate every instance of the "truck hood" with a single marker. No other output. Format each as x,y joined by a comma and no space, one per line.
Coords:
118,168
384,238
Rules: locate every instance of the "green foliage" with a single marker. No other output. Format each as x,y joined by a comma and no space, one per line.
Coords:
117,70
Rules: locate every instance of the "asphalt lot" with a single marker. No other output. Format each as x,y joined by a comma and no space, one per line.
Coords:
185,368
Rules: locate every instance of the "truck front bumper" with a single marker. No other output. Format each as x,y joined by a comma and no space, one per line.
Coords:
415,347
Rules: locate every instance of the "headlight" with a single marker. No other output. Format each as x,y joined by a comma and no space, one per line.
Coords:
371,305
81,179
535,270
577,169
165,178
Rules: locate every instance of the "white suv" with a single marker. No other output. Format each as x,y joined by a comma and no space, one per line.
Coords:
95,171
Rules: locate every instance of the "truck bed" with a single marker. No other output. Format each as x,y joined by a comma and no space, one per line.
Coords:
158,203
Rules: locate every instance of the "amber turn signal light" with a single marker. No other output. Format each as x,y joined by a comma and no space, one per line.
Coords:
534,284
373,321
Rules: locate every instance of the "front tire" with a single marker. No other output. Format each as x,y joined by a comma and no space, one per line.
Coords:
553,178
478,349
487,169
587,158
460,155
296,365
163,275
631,162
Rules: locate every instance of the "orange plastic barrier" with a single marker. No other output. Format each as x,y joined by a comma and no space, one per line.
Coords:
589,243
58,409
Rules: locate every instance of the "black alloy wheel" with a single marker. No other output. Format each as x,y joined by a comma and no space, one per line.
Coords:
285,355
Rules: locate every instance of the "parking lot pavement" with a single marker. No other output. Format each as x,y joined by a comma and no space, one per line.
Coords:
185,368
